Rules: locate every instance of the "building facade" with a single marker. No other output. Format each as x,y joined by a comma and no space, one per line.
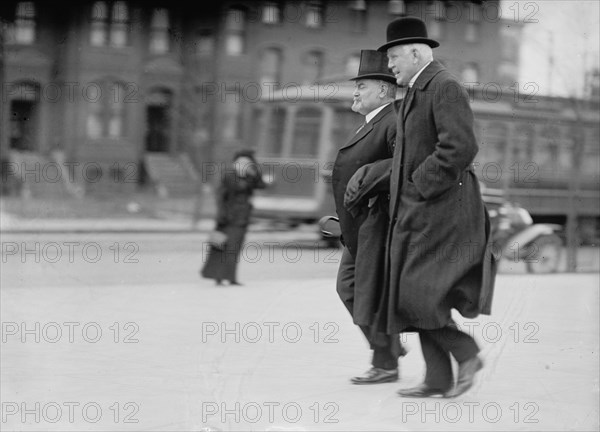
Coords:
107,83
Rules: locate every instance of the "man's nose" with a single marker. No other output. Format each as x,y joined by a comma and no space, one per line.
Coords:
390,64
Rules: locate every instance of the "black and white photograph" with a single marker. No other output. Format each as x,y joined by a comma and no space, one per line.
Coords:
300,215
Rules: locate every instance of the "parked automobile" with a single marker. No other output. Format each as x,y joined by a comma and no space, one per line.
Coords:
517,238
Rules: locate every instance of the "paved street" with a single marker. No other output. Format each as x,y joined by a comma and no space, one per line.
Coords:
117,332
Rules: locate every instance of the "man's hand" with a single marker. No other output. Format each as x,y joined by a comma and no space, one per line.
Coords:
354,185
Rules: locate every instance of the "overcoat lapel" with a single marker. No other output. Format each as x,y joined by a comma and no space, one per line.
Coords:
360,135
367,128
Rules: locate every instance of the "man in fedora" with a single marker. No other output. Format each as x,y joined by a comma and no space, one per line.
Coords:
365,162
438,255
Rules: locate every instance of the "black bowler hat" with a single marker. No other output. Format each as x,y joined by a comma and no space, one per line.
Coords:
374,65
407,30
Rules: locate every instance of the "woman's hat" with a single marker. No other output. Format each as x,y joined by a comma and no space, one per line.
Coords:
374,65
407,30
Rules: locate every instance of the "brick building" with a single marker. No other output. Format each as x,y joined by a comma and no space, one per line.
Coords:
138,90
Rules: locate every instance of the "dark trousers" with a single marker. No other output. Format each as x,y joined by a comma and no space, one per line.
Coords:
386,348
437,345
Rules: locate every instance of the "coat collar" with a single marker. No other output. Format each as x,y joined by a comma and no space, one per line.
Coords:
369,126
423,79
428,73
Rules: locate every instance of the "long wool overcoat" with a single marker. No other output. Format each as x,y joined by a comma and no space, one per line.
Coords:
439,255
364,228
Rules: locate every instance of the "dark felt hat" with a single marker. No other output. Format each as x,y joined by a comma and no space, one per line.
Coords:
407,30
374,65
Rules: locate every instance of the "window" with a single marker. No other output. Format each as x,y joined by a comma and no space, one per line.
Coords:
271,13
470,73
547,150
106,110
306,133
439,9
99,24
109,24
352,65
235,29
270,65
312,63
397,8
159,31
205,44
314,14
590,162
24,28
358,16
119,25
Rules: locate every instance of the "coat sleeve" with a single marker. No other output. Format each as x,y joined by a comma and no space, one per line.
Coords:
456,146
375,180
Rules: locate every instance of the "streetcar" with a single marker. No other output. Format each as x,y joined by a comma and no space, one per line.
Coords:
543,154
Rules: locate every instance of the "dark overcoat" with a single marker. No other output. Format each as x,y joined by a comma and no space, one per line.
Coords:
373,142
364,226
438,242
233,216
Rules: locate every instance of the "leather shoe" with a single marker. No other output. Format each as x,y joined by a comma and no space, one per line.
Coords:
376,376
421,391
466,375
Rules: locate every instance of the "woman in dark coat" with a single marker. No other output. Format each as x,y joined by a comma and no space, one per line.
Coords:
233,215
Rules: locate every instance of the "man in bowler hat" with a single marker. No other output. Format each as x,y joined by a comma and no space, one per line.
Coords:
365,162
435,206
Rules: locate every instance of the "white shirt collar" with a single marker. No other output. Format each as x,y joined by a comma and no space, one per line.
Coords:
373,113
413,79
